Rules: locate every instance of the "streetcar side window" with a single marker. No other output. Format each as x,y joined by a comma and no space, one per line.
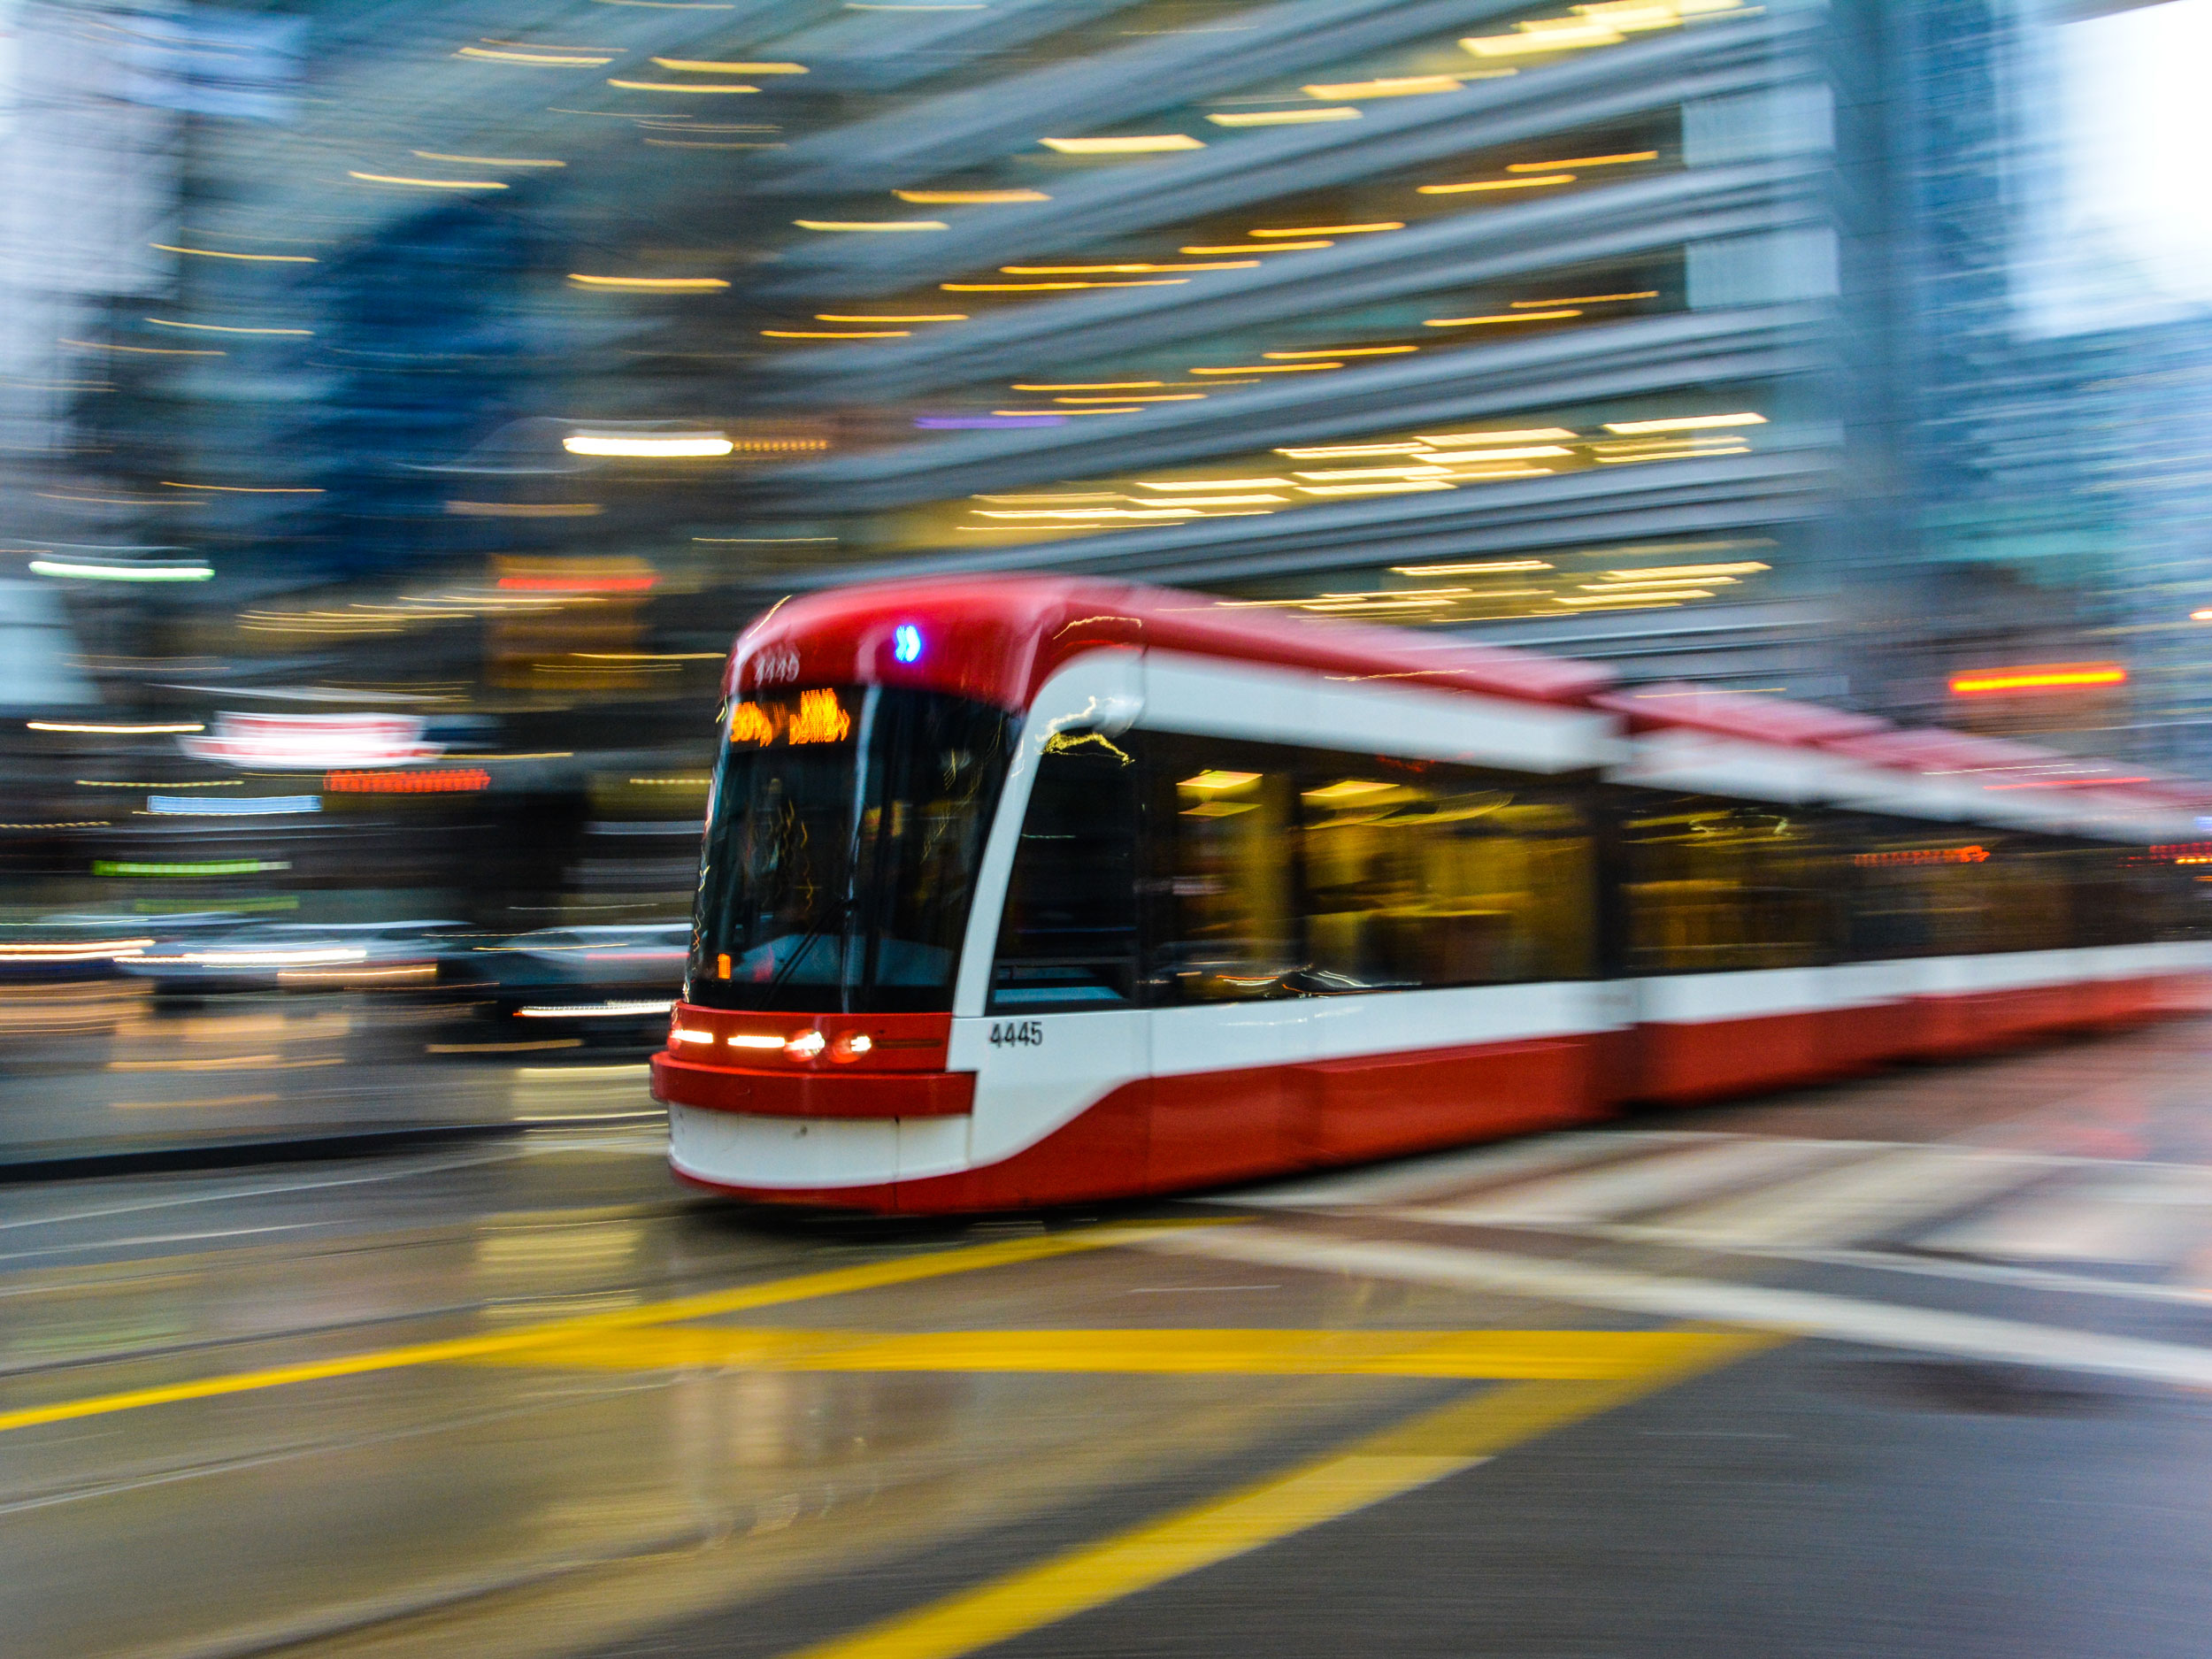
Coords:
1068,937
1711,886
1950,889
1221,818
1418,874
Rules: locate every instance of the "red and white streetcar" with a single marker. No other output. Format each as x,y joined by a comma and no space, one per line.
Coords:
1023,892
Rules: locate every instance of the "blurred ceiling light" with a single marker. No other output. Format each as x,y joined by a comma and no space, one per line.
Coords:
218,328
524,509
1086,386
426,184
677,86
1460,457
651,285
245,489
2200,616
1130,144
1494,184
1136,397
1346,474
871,224
1546,34
1581,161
1087,513
680,445
1333,230
952,199
1118,409
100,729
1095,269
1328,451
548,60
1680,453
1217,483
1647,596
1345,351
1534,435
90,571
1482,567
1285,118
702,67
150,352
1584,299
1266,247
1686,423
259,258
489,161
825,333
1690,572
1629,584
1272,368
1038,288
1216,501
1371,489
1502,316
920,317
1389,87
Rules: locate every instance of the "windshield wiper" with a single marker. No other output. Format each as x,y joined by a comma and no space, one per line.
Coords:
807,939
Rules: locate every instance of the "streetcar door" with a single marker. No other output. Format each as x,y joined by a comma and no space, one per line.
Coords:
1230,1029
1065,1034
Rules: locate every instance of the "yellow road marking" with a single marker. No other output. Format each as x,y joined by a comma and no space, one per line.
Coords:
834,1282
1386,1465
1498,1355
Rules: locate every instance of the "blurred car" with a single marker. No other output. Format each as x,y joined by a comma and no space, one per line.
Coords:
601,983
299,955
91,946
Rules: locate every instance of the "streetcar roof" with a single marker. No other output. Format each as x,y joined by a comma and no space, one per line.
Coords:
997,639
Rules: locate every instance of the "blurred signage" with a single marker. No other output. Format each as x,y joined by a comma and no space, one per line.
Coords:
1923,855
312,742
1983,682
432,780
814,716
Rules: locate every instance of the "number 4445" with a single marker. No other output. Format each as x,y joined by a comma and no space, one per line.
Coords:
1016,1033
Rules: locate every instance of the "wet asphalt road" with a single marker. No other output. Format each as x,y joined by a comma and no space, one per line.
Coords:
1915,1364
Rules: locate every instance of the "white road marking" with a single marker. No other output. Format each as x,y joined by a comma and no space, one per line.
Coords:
224,1195
2132,1217
1668,1177
1881,1195
161,1238
1409,1182
1803,1313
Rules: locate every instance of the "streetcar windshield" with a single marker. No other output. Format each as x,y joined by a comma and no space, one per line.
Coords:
843,836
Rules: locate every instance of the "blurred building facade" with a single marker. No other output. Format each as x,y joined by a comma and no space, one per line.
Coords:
496,378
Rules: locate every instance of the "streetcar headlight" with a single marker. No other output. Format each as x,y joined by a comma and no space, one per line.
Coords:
805,1046
849,1046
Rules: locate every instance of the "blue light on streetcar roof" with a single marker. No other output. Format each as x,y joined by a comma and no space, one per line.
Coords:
906,642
